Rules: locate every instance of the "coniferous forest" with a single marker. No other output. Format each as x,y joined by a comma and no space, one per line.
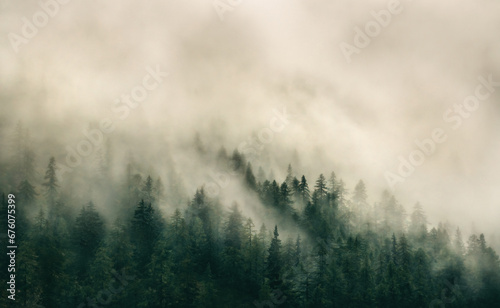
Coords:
326,245
249,153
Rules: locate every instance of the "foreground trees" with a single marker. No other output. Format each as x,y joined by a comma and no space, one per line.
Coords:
158,250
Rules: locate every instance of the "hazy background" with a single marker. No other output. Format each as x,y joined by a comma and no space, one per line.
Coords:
226,77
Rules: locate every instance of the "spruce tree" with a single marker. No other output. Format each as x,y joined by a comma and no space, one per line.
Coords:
303,190
88,235
321,187
274,262
51,184
250,178
27,192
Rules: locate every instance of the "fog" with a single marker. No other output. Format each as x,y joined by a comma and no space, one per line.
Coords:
227,78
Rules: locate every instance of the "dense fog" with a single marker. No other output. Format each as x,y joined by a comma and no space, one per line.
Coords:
225,78
173,140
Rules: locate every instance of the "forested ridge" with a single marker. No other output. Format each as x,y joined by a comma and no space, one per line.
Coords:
327,247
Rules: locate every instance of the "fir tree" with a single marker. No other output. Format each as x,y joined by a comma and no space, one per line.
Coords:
51,184
250,178
274,261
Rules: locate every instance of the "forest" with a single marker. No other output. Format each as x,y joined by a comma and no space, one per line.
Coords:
327,247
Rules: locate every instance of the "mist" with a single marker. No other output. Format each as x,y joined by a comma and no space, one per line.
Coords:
225,77
403,95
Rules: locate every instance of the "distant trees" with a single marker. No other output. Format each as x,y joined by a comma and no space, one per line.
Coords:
146,228
50,183
320,187
233,256
157,247
274,262
250,178
303,191
27,192
418,223
88,234
147,193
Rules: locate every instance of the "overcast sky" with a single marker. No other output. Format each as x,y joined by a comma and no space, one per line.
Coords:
226,76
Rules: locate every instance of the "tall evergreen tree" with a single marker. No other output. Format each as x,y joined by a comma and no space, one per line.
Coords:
289,175
238,162
51,184
147,190
321,187
304,191
418,223
233,257
250,178
285,200
274,262
88,234
27,192
146,229
158,190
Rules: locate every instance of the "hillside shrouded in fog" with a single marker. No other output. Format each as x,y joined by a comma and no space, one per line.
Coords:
173,122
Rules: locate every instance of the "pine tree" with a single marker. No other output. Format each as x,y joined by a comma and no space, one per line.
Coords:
146,229
458,243
333,183
158,190
27,192
341,192
88,235
51,259
28,278
421,276
261,175
274,194
250,178
274,262
289,176
119,246
304,191
285,200
321,187
147,190
360,205
418,223
50,183
404,253
367,283
295,189
89,231
238,162
233,257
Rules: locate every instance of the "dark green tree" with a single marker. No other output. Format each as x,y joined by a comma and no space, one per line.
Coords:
88,234
250,178
51,184
233,256
274,262
303,191
146,230
321,187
